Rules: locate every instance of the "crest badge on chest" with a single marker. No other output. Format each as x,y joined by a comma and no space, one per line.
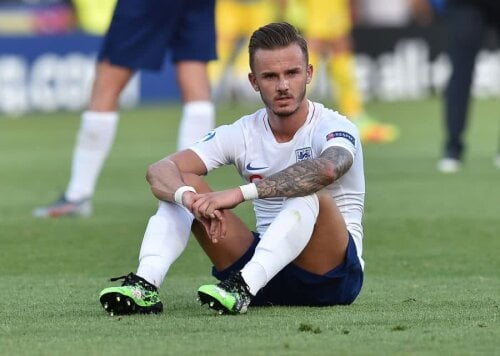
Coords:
303,154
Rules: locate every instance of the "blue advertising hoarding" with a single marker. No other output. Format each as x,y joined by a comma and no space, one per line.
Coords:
55,72
49,73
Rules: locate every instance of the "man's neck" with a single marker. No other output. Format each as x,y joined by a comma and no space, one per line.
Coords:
285,127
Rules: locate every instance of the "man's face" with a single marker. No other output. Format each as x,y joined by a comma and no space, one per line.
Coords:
281,75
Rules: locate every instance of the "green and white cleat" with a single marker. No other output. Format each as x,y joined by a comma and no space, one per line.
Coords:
230,296
134,296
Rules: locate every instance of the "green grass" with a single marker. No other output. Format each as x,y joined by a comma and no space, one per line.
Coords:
432,244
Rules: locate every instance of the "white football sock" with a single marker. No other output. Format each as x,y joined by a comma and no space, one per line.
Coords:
94,141
282,242
198,118
165,239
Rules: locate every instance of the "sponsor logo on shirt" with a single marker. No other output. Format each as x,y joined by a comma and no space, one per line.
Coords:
252,168
342,134
303,154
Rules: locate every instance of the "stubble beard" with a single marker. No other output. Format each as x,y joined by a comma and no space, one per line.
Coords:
287,113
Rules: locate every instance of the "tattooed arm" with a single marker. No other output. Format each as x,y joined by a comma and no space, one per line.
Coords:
300,179
307,177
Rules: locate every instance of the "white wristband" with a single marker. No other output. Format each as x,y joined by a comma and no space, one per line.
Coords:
249,191
180,191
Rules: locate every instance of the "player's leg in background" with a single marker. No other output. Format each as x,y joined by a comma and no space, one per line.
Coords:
198,114
236,21
465,33
342,75
328,31
94,140
193,47
229,36
94,16
97,130
192,29
254,14
99,123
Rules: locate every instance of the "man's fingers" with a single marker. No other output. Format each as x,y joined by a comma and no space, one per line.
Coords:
206,224
214,230
214,224
221,218
203,207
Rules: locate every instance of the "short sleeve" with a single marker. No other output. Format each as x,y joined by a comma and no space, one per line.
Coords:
337,131
219,147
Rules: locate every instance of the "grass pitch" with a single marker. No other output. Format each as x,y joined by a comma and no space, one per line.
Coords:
432,243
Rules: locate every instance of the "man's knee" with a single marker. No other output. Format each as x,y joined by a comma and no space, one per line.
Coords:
324,196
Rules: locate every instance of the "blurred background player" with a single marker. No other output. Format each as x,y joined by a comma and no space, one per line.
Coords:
468,23
138,36
94,16
327,26
235,22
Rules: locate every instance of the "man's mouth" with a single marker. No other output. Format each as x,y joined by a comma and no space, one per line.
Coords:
283,98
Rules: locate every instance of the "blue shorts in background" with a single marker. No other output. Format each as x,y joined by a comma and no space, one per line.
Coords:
142,30
295,286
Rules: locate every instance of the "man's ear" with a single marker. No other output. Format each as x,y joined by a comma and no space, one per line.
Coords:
253,82
309,71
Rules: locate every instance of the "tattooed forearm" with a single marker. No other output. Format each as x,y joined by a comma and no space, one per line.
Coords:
341,158
307,177
302,178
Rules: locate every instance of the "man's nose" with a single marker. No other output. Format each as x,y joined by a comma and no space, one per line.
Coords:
283,84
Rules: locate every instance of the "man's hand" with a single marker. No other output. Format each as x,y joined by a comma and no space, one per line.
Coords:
208,208
205,205
216,228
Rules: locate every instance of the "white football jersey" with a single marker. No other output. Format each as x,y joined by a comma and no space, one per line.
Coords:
250,145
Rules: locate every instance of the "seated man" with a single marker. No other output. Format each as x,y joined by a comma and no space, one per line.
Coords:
303,167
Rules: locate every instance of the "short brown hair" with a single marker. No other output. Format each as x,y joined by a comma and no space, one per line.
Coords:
276,35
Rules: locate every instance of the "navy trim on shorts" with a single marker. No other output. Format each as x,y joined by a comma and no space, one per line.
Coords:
296,286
